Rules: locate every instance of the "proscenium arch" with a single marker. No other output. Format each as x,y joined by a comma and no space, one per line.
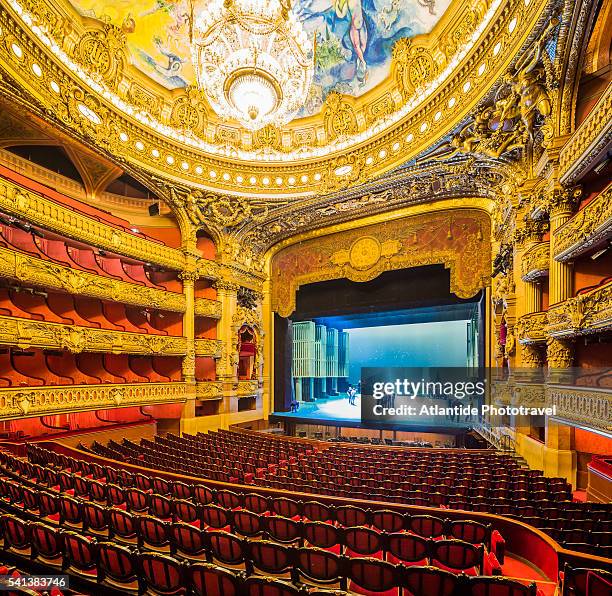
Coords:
479,209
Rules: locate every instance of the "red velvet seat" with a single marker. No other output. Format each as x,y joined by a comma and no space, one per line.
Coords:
427,581
204,496
160,506
161,486
181,490
95,519
162,575
407,549
370,576
187,512
153,533
16,535
115,496
348,515
187,541
49,507
286,507
315,511
470,531
123,526
216,517
206,579
457,556
270,558
227,549
228,499
426,526
47,545
70,512
97,491
319,567
323,535
362,541
248,524
117,567
388,521
137,500
81,555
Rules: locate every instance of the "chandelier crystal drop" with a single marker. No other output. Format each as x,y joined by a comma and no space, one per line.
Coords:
253,60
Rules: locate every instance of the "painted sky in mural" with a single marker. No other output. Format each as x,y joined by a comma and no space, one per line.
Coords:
354,38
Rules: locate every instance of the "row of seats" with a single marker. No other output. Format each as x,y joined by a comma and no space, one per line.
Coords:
55,307
37,367
25,238
100,564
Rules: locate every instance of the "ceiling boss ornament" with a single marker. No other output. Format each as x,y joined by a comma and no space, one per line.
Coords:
253,60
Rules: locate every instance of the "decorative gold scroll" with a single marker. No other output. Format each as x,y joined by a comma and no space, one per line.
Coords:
457,239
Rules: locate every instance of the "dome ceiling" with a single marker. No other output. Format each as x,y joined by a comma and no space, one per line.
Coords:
96,68
354,38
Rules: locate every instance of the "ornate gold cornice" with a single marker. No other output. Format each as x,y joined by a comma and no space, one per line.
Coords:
588,406
44,212
586,313
588,227
453,72
205,307
41,401
208,347
589,141
27,333
30,270
535,262
531,328
209,390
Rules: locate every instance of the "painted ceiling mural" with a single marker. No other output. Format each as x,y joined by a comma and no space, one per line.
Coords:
354,38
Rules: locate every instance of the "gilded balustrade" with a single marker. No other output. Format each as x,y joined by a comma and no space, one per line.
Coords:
19,202
535,262
41,401
208,347
209,390
205,307
28,333
587,228
531,328
588,406
37,272
586,313
589,141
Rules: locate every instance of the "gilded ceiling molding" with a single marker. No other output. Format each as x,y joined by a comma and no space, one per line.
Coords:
30,270
485,37
458,239
589,142
43,401
29,333
53,216
590,226
410,186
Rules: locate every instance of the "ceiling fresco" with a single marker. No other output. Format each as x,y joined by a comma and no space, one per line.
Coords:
353,38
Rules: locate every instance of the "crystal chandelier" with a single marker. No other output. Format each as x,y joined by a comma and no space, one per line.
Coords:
253,60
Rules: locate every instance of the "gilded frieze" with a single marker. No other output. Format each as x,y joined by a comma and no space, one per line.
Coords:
535,262
587,406
42,401
588,227
458,239
30,270
212,390
28,333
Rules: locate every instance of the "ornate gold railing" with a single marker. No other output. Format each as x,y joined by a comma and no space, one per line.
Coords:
590,226
38,272
589,140
586,313
208,347
53,216
205,307
535,262
27,333
40,401
531,328
212,390
588,406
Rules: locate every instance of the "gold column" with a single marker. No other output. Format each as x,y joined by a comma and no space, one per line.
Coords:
188,278
533,297
227,294
560,274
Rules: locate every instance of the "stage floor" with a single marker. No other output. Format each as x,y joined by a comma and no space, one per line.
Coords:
335,409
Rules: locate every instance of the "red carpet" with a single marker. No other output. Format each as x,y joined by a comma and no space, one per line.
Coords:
524,572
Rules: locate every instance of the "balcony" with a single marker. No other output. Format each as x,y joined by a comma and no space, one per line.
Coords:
535,262
204,307
28,333
582,405
209,390
589,142
589,228
43,401
531,328
586,313
208,347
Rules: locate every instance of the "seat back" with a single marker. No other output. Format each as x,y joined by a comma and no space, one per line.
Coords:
80,553
321,534
153,531
16,532
122,524
95,516
256,503
388,521
426,580
226,548
319,566
270,557
203,495
116,564
162,574
205,579
315,511
187,540
407,548
427,526
470,531
283,529
247,523
363,541
373,575
215,516
457,554
46,541
348,516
